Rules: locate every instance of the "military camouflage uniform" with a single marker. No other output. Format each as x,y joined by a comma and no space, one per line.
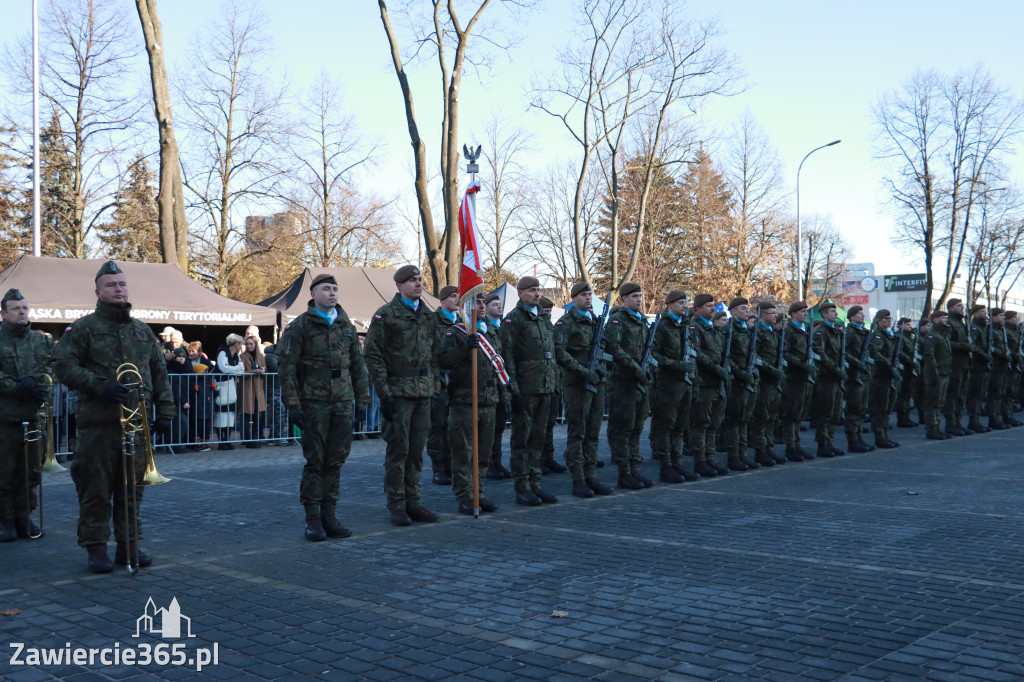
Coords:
671,394
740,404
584,410
529,353
438,447
908,379
795,393
828,389
322,371
627,411
981,368
492,460
882,396
766,403
401,358
85,360
999,376
960,378
23,353
857,393
1013,376
937,367
708,405
454,358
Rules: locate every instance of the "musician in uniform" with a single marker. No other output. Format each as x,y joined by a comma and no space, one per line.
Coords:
401,358
24,356
627,411
322,371
437,442
86,361
584,408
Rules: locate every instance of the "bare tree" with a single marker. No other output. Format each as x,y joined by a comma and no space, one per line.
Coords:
83,70
448,36
171,197
941,136
996,242
236,131
826,255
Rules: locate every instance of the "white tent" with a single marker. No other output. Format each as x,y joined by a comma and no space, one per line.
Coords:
510,299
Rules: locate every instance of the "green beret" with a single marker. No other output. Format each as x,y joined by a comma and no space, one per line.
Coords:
491,297
825,306
405,273
738,301
323,278
702,299
995,311
976,307
797,306
1011,314
527,283
674,295
628,288
936,314
447,291
882,314
109,268
12,295
546,303
854,310
952,302
766,305
579,288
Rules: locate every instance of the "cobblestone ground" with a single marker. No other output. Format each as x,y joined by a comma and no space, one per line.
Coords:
901,565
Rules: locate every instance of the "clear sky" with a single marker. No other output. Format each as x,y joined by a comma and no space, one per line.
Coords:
813,70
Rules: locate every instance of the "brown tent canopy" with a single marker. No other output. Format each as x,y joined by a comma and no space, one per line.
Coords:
62,290
361,291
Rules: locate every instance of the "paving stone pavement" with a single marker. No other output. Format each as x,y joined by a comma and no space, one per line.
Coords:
892,565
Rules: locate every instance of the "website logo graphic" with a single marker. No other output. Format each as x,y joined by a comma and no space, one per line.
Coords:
164,622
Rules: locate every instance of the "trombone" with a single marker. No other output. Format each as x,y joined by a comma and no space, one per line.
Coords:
41,439
134,420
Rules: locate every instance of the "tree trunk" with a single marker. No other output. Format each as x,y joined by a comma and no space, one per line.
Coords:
170,199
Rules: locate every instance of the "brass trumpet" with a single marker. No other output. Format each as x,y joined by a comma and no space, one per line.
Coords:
134,420
41,436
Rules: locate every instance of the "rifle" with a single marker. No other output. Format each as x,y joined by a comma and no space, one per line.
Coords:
842,355
752,360
811,355
781,364
647,360
988,340
1020,348
897,364
865,357
726,350
597,354
1006,346
915,369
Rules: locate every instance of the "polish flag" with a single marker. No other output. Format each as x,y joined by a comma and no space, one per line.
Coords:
471,278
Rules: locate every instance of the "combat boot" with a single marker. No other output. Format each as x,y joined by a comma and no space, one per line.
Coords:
885,444
495,473
121,555
934,435
528,499
978,427
314,528
421,514
825,451
719,469
794,454
751,464
99,560
627,482
26,529
332,527
837,452
400,517
545,497
581,489
668,474
905,422
737,464
640,478
552,466
763,458
598,487
441,478
858,445
996,424
8,533
704,470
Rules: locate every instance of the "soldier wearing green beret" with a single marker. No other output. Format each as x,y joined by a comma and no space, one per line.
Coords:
322,371
438,448
24,356
800,374
936,368
981,367
827,403
740,404
401,357
766,404
548,465
86,360
1000,371
1013,376
882,395
712,387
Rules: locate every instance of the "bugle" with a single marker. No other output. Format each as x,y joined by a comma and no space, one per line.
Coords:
40,437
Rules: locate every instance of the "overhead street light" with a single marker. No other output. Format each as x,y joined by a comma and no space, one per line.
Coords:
799,229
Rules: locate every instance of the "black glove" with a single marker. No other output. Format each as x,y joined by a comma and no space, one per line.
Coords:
40,394
162,426
387,408
434,400
473,341
745,377
26,386
591,376
518,402
117,393
640,374
722,372
811,369
298,418
601,371
507,413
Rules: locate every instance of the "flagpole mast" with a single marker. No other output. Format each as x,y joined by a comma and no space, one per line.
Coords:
472,168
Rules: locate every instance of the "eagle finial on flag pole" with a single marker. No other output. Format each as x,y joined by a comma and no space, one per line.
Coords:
471,283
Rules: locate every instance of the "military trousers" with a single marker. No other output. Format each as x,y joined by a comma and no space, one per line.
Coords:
826,407
766,413
935,390
670,414
17,491
528,428
438,448
584,412
908,389
326,444
856,408
500,424
627,413
1010,394
956,393
549,430
794,398
99,475
996,388
706,414
976,393
460,438
738,412
406,436
881,399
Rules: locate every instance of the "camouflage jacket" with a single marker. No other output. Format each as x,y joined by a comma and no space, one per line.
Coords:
827,342
937,352
401,350
529,351
625,341
674,362
574,334
882,343
323,362
856,337
959,338
453,357
23,353
738,351
709,344
1000,353
768,351
1013,343
443,323
795,352
907,354
979,343
90,352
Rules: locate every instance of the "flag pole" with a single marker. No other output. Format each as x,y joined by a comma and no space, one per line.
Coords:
472,169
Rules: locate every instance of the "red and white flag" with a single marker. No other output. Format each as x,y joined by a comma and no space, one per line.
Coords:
471,278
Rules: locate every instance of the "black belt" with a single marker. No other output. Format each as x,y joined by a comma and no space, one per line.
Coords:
534,356
415,372
335,373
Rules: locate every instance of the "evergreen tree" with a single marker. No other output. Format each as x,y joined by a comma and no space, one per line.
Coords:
133,234
56,193
12,205
707,243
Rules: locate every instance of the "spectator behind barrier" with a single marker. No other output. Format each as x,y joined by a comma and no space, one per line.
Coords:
228,362
252,394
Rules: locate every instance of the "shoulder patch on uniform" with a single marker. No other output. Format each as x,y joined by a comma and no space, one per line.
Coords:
507,321
378,316
615,321
288,326
448,334
67,329
558,324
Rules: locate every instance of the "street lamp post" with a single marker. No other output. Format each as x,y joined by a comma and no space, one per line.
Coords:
799,230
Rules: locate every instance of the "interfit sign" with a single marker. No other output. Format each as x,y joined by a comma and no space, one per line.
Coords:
905,282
